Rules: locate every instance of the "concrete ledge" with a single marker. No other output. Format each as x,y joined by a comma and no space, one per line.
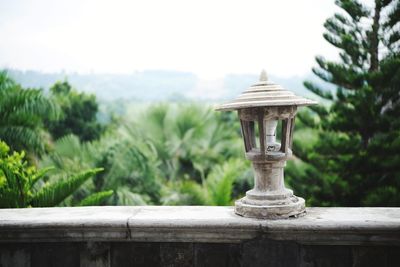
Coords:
333,226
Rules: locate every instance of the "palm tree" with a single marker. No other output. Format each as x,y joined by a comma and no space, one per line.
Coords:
170,151
183,134
22,112
130,167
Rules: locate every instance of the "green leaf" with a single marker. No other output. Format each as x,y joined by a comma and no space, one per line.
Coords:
96,198
54,194
318,91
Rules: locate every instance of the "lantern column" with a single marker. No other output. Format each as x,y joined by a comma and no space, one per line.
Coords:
260,108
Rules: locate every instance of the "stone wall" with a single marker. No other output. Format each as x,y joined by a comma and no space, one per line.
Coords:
260,252
197,236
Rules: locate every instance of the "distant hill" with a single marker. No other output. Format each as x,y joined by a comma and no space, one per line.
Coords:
155,85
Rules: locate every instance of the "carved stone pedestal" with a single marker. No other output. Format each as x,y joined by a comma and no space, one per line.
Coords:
269,199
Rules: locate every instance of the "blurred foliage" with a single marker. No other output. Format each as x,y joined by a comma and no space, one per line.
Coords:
215,190
353,158
22,112
162,156
22,185
78,114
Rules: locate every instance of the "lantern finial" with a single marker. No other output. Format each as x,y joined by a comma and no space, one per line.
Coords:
263,76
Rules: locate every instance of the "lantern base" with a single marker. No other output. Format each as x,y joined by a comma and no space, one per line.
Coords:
293,208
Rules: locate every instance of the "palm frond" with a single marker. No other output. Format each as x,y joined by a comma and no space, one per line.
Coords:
55,193
28,101
20,137
39,175
22,112
5,81
126,197
96,198
220,182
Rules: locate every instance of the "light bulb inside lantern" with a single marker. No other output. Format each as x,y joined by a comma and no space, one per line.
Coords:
270,131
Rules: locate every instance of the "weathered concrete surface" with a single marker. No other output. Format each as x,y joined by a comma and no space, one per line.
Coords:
333,226
253,253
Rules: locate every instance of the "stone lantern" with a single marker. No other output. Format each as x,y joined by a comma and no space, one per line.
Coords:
261,108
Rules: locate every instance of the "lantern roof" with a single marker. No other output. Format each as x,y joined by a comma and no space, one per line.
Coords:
265,94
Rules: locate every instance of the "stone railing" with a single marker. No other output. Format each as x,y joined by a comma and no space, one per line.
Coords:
197,236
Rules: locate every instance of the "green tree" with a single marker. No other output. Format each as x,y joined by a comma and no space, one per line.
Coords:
189,139
22,185
130,166
356,159
162,157
22,112
79,112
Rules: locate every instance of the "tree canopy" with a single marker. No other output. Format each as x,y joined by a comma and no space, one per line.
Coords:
78,116
22,112
356,160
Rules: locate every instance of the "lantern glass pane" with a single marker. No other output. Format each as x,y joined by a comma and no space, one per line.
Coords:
249,131
279,131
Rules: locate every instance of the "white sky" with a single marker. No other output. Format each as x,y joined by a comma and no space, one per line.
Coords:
209,38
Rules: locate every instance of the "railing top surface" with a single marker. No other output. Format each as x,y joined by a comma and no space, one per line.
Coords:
197,224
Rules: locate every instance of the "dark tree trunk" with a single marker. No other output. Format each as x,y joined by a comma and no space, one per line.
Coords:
374,38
